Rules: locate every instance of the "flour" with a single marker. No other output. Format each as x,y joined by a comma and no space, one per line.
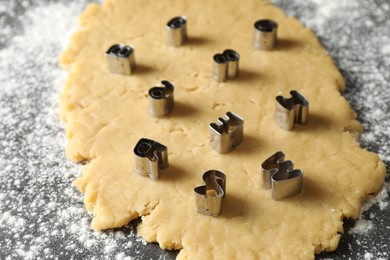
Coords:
356,33
39,209
42,216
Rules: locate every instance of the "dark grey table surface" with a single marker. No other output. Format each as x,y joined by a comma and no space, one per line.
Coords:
43,217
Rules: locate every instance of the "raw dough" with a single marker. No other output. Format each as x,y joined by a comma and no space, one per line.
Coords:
107,114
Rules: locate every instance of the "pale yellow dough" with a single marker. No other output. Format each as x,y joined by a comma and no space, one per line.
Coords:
107,114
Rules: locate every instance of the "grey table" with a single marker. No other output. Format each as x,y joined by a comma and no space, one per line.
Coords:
42,216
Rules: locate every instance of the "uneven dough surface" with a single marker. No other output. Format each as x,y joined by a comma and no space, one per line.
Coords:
107,114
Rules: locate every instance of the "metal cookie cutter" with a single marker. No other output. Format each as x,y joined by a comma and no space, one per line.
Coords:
227,133
232,58
161,99
120,59
177,31
291,111
208,197
225,65
150,156
220,67
265,34
278,174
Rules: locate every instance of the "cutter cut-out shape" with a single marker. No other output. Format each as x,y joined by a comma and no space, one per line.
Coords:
291,111
121,59
150,156
161,101
279,175
227,133
208,197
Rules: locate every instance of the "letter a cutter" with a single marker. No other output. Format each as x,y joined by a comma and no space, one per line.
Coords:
161,99
227,133
208,197
291,111
150,156
279,175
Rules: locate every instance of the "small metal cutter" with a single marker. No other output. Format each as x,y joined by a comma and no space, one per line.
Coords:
278,174
120,59
150,156
161,99
177,31
232,58
225,65
208,197
291,111
265,34
220,67
227,133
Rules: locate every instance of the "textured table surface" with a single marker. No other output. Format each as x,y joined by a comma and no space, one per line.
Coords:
42,216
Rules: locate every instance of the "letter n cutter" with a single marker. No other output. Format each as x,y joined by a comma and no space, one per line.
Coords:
291,111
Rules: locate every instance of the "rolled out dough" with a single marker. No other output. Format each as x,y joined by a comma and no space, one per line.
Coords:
107,114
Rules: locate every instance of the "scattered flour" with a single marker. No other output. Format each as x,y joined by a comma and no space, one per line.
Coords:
368,256
41,215
386,49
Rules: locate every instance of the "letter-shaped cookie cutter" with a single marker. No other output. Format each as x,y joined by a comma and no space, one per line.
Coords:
232,58
291,111
227,133
161,99
150,156
220,67
225,65
265,34
120,59
278,174
177,31
208,197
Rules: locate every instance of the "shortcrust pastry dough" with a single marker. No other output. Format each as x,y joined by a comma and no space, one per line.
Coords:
107,114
